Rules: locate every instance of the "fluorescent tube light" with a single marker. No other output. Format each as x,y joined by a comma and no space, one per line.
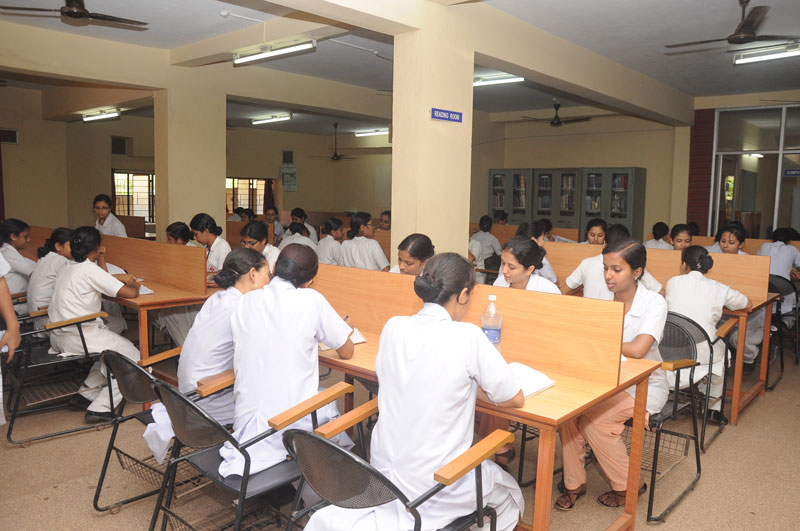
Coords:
267,52
103,115
780,52
756,155
376,132
271,119
484,81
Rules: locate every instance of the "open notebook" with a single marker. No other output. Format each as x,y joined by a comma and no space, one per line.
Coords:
356,337
530,380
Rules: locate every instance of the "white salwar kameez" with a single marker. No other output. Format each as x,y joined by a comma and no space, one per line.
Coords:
429,368
112,226
276,334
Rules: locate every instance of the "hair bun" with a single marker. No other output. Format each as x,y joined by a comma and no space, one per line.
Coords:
426,288
706,262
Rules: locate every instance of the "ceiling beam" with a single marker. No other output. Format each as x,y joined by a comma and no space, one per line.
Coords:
391,17
68,103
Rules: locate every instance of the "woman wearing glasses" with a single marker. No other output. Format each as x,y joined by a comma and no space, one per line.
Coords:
255,236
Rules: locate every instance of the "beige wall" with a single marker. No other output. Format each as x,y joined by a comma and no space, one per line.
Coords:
34,171
487,153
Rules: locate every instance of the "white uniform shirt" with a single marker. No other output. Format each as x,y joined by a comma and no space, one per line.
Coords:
535,283
312,232
112,226
647,315
702,299
4,266
215,255
717,249
363,253
271,253
489,245
591,276
329,251
783,258
43,279
276,334
297,238
21,268
658,244
279,230
546,271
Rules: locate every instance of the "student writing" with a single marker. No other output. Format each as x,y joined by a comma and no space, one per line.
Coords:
254,236
412,254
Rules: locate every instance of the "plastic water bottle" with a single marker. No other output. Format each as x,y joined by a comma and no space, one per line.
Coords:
492,321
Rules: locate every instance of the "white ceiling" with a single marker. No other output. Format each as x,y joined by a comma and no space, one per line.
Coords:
634,32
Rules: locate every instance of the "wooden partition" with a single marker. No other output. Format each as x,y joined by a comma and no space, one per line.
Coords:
233,230
565,257
37,237
134,225
178,266
384,237
570,234
505,232
556,334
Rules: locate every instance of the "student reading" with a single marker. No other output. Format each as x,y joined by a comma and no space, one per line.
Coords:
535,230
329,248
660,230
107,223
78,291
254,236
784,258
298,233
520,259
680,236
432,362
15,236
595,232
602,425
483,244
299,216
207,233
360,250
412,254
730,239
276,335
702,300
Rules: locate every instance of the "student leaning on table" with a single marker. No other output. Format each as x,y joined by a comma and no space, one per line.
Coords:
432,367
602,425
412,254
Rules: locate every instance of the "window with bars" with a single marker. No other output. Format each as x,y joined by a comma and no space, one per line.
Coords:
245,193
135,194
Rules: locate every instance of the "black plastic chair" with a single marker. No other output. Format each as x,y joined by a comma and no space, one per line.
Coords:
197,429
678,345
778,284
41,382
343,479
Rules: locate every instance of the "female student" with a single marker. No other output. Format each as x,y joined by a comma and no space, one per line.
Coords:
272,217
535,231
680,236
298,233
78,291
412,254
179,233
489,245
731,239
702,299
276,335
660,230
54,255
254,236
299,216
329,248
519,260
248,216
208,349
360,250
15,235
206,232
601,426
432,362
595,232
107,223
784,258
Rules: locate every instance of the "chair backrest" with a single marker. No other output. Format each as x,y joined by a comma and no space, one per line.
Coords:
135,383
338,476
681,336
192,426
778,284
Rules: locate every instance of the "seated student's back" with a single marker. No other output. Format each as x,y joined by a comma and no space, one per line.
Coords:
359,249
15,236
54,255
660,231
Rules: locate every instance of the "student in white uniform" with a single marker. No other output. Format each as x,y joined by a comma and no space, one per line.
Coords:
489,245
297,233
54,256
329,248
271,214
15,236
595,233
299,216
179,233
236,215
9,326
78,291
730,240
519,260
680,236
359,249
254,236
602,425
412,254
276,336
589,272
207,233
702,300
660,230
248,216
107,223
435,363
784,259
535,231
386,220
208,349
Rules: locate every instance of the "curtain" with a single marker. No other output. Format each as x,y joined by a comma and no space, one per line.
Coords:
113,193
269,196
2,196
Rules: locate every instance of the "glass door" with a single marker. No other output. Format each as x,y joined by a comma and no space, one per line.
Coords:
620,186
544,194
593,195
568,194
519,194
499,191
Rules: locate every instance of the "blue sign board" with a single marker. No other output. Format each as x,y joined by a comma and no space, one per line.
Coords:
792,172
447,116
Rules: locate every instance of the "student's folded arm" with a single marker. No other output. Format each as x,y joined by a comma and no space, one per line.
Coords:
637,348
128,291
517,401
346,351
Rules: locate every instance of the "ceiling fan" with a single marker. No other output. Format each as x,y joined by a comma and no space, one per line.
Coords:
75,9
557,121
746,31
336,155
